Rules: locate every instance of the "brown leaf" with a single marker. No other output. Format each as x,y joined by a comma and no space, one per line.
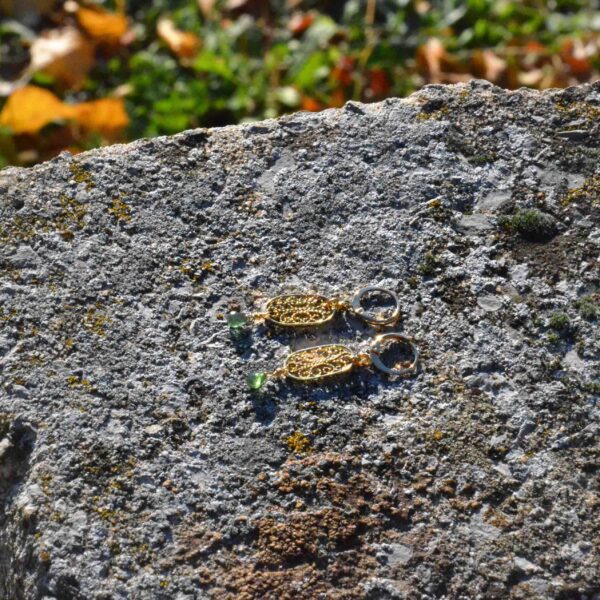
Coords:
487,65
65,54
437,66
300,22
102,26
429,59
344,70
183,44
379,83
575,54
31,108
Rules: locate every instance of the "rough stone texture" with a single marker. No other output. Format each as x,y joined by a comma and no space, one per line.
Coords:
134,463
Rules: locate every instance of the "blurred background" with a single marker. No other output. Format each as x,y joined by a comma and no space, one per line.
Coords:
79,74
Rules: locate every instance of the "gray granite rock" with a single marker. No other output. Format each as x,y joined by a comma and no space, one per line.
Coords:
134,461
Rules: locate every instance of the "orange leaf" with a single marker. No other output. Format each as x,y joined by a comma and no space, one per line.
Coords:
311,104
338,98
343,71
65,54
379,84
300,22
183,44
31,108
101,25
106,116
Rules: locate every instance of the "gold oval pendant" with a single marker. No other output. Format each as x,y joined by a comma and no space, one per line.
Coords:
296,310
318,362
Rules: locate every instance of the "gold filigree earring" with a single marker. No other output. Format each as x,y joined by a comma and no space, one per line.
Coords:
309,310
320,362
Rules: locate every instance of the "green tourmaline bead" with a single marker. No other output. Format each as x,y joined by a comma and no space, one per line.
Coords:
256,380
236,321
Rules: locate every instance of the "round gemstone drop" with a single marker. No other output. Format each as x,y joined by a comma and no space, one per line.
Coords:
256,380
236,321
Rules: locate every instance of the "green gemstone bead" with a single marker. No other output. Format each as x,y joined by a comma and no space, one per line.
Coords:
236,321
256,380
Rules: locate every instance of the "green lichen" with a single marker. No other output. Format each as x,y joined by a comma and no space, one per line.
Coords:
479,160
578,110
72,216
553,338
559,322
81,175
413,281
438,114
588,307
429,265
530,224
120,210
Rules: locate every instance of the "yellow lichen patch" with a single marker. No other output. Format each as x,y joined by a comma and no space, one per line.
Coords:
299,444
188,270
439,114
588,192
96,322
22,228
72,216
580,110
75,382
5,317
120,210
80,175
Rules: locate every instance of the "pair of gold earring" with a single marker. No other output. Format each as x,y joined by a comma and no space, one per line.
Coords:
328,360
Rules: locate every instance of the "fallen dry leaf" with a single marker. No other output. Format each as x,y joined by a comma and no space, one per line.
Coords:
379,84
437,66
344,70
102,26
31,108
183,44
106,116
65,54
311,104
577,55
488,65
300,22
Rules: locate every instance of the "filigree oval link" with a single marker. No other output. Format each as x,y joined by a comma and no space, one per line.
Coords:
299,310
319,361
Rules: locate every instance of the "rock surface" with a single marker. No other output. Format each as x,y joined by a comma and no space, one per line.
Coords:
134,461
